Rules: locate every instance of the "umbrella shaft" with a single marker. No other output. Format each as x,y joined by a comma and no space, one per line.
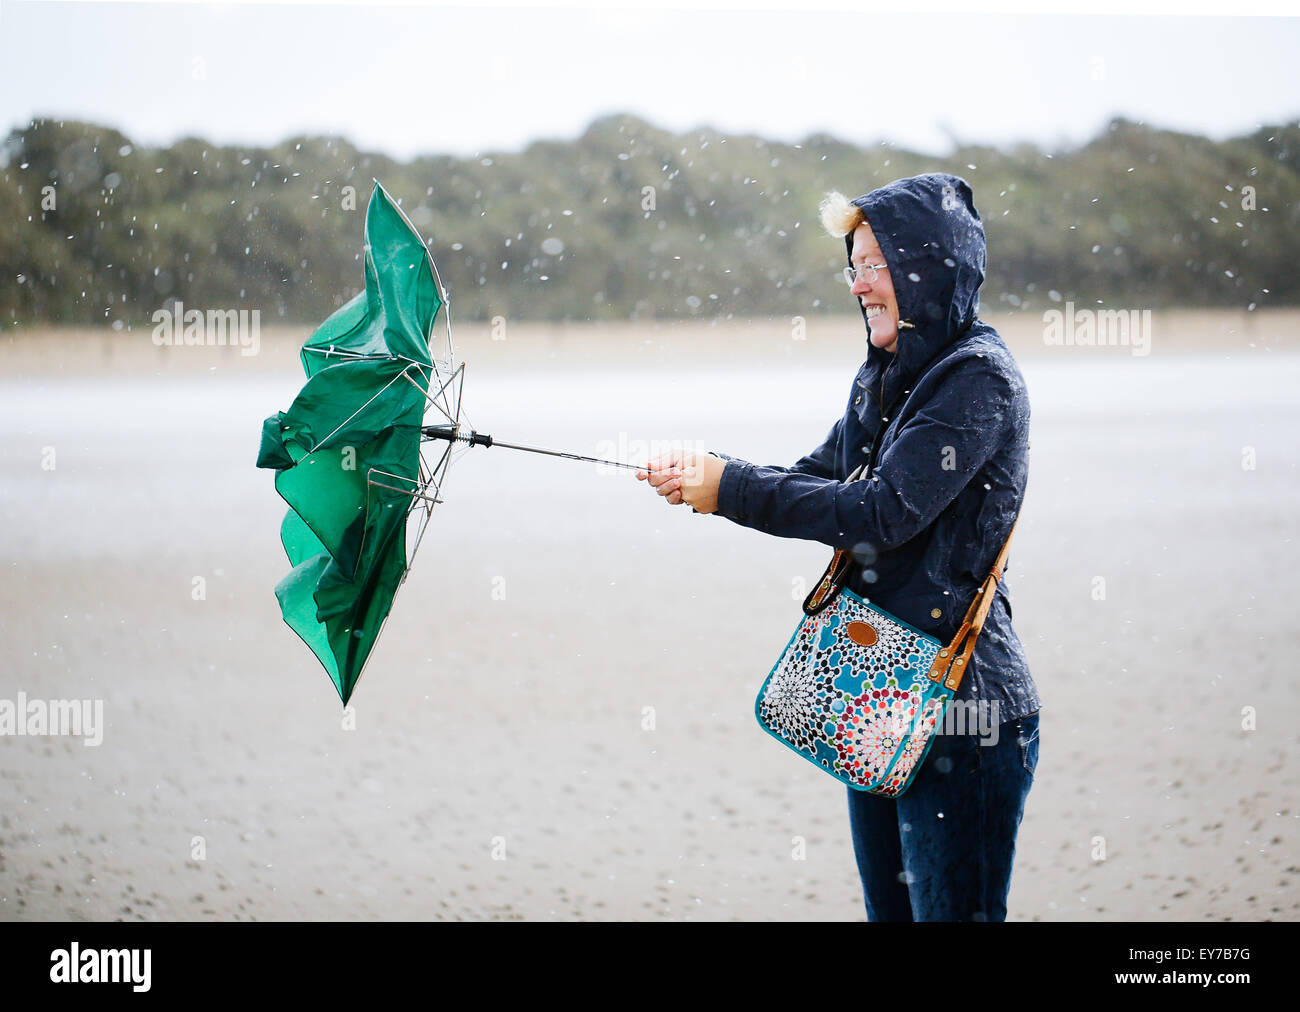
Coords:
569,456
452,432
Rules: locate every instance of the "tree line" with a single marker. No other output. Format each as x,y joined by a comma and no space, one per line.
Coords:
627,221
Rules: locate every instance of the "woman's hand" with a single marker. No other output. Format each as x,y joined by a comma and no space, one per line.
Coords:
690,478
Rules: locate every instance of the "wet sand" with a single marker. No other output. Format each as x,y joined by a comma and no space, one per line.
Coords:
501,765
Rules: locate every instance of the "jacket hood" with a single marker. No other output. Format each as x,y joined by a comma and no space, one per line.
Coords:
932,239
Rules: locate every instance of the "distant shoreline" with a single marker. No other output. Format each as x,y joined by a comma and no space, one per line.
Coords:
827,341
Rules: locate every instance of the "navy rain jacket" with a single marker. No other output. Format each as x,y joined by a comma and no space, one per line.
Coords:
952,413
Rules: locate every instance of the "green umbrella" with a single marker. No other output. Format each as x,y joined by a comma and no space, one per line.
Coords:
347,452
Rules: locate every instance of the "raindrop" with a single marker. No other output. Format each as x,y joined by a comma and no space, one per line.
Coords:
864,552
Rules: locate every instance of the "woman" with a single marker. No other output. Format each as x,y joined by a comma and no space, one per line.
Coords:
941,392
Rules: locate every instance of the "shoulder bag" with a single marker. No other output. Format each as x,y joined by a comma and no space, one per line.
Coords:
858,692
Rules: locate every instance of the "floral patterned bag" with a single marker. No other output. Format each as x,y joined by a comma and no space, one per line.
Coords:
859,692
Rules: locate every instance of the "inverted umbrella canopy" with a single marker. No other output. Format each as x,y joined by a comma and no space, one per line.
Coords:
347,452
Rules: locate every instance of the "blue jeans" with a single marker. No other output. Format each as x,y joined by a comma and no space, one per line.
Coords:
943,850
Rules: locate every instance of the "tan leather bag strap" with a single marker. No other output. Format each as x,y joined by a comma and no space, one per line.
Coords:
951,662
829,585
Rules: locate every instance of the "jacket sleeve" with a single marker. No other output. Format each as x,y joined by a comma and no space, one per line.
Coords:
934,456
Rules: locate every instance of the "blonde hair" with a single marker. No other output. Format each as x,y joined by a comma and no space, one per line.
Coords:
840,216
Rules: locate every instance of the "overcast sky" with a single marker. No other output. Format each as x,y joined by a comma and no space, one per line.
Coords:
414,79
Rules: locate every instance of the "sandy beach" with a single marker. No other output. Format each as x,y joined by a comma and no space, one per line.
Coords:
557,723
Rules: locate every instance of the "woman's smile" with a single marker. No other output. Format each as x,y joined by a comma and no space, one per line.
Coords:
876,297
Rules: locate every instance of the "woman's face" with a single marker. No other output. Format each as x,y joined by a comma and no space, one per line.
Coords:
877,297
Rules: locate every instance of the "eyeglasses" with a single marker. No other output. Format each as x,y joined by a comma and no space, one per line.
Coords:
867,272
